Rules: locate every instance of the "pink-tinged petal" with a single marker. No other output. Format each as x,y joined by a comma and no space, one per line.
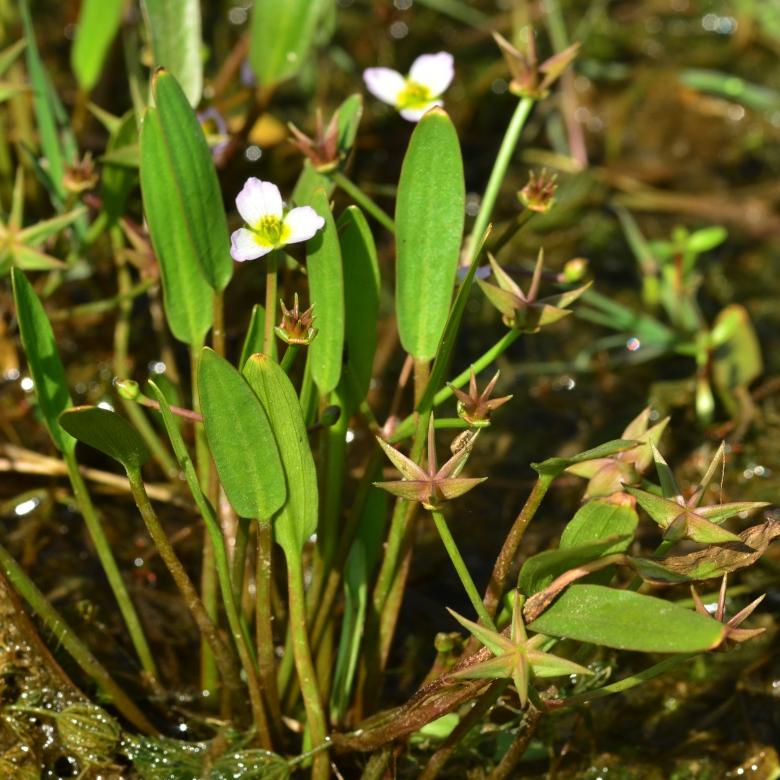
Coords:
259,199
244,246
416,114
434,71
303,223
384,83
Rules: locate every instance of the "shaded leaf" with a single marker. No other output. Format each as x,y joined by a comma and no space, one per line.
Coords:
97,27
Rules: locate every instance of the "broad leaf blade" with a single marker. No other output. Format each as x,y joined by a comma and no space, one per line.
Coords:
628,621
175,28
186,292
200,210
429,217
107,432
326,290
598,520
298,519
240,439
97,27
43,360
281,37
361,298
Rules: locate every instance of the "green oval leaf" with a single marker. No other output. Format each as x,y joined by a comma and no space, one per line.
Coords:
200,211
43,360
628,621
107,432
298,519
175,28
97,27
326,292
429,218
361,298
240,439
186,293
599,519
281,37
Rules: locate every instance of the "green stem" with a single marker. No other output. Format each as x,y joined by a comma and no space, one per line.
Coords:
506,558
208,630
237,628
65,636
503,158
208,577
407,426
360,197
264,620
461,568
288,359
108,304
107,560
271,284
315,714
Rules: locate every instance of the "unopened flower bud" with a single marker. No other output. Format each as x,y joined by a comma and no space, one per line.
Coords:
127,389
574,270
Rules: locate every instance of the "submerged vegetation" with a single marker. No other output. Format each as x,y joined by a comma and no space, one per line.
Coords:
263,264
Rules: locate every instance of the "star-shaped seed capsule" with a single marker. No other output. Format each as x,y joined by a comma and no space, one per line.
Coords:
516,657
526,311
435,485
296,326
475,407
682,518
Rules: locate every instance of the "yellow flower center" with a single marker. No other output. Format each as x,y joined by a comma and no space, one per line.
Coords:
413,95
270,230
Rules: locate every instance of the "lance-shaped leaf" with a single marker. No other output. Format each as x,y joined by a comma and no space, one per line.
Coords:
240,439
43,360
196,201
97,27
326,290
281,37
737,357
433,485
175,28
526,311
517,657
628,621
108,432
297,520
361,297
430,211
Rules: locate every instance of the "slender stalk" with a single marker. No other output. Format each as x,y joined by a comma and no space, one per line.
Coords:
461,568
503,158
264,636
271,284
362,200
238,565
315,714
512,757
222,655
237,628
218,328
65,636
208,576
122,365
288,359
506,557
106,305
108,562
376,768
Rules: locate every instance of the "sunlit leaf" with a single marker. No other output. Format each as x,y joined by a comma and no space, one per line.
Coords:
552,467
175,28
628,621
240,439
107,432
430,211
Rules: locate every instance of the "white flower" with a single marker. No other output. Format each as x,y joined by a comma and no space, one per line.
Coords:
268,226
413,95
